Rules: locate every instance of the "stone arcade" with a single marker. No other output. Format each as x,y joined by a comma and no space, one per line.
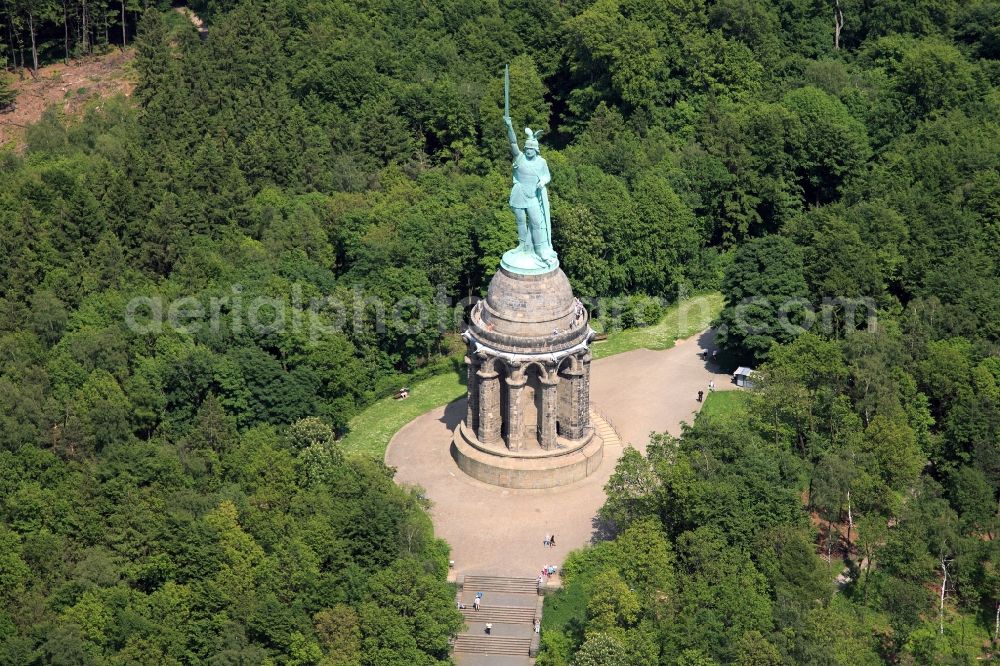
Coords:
527,423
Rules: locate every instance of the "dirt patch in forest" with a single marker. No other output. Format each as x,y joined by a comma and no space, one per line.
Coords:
194,18
70,87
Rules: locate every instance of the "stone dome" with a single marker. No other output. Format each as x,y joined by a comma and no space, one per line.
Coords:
530,314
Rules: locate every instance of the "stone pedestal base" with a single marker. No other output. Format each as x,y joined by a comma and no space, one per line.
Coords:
499,466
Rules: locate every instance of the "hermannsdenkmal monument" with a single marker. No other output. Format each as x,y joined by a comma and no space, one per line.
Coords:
527,423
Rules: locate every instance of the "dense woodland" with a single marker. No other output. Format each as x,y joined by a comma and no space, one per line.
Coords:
38,31
179,496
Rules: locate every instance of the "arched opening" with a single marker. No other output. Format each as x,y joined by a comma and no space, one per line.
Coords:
532,407
564,397
502,374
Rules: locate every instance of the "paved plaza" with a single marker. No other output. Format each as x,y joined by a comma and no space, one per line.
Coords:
500,531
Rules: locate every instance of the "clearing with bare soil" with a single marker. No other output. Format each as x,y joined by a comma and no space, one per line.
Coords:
70,87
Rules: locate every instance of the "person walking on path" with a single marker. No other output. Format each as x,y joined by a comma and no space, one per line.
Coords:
552,540
548,540
475,604
701,396
711,385
489,628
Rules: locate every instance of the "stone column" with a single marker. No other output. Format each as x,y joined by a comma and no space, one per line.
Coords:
488,423
549,406
515,415
576,408
472,393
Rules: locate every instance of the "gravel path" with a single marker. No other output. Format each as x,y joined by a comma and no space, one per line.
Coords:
500,531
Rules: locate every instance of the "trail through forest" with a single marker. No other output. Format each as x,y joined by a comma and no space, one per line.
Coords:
196,21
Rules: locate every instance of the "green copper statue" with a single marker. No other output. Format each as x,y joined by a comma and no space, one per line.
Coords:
529,199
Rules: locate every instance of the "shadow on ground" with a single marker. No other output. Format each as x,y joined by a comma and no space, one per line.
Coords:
454,412
604,530
722,362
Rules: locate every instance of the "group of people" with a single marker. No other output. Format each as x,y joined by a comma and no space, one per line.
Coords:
547,570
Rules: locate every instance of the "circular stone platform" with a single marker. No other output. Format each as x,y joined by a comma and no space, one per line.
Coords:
526,469
499,531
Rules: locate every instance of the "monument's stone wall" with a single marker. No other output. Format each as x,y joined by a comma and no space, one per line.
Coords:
535,472
530,314
528,342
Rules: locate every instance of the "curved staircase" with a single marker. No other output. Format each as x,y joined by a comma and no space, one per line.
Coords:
605,429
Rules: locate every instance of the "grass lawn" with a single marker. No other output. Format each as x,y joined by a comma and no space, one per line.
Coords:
724,403
370,431
681,321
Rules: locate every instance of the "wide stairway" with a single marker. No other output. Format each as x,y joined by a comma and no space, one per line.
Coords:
511,606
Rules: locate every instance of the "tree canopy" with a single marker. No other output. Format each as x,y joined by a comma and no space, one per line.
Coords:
200,284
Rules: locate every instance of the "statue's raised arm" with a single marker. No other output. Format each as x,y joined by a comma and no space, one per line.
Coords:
529,200
511,137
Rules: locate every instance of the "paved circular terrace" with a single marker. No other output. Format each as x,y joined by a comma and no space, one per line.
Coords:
500,531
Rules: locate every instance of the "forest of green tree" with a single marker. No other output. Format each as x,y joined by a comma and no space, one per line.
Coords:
178,496
36,32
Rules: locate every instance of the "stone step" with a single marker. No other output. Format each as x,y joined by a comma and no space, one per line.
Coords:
498,614
604,429
608,435
475,584
483,644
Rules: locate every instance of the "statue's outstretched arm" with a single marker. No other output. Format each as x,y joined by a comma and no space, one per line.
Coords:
511,137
